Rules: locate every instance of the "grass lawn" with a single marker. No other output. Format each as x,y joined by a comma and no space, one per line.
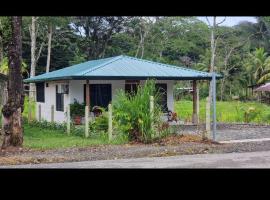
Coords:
227,111
39,138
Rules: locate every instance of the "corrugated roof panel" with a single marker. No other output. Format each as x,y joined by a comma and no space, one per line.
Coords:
122,67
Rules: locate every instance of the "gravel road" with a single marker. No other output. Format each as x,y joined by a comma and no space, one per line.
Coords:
229,160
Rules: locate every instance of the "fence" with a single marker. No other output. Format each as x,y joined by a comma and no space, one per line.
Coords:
68,120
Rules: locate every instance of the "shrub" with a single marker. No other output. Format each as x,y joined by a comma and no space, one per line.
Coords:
100,123
132,113
77,109
250,114
46,125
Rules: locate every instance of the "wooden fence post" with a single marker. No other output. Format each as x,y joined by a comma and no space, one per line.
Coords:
152,110
52,113
39,112
86,121
29,111
68,119
110,121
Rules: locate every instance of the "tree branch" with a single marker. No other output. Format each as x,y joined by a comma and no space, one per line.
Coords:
221,21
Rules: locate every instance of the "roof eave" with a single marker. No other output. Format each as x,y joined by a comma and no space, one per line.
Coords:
121,78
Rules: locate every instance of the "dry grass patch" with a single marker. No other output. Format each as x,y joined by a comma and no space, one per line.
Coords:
178,139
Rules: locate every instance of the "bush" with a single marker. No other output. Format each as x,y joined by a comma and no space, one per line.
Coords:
77,109
46,125
132,113
100,123
250,114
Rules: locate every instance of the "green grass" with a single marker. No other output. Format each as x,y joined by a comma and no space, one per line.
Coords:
39,138
227,111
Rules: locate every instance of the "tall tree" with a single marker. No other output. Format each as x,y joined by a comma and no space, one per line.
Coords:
53,23
97,32
34,29
212,63
12,110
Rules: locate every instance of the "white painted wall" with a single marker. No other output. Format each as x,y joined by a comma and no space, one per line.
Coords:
50,99
76,91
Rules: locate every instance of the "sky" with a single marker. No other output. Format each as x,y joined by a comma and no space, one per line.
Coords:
230,21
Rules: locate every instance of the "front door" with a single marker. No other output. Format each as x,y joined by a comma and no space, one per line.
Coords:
100,95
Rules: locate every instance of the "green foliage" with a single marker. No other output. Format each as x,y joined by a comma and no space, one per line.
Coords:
132,113
77,109
46,125
100,123
4,66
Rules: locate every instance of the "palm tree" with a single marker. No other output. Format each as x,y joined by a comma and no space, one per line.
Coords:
259,65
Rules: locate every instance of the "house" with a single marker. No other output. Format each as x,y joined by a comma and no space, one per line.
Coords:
100,79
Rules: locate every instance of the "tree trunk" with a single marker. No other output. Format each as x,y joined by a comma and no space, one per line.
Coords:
212,64
49,48
33,56
12,110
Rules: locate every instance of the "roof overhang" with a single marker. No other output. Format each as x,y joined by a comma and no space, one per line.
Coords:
119,78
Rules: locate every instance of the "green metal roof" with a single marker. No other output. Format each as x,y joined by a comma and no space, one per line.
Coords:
122,68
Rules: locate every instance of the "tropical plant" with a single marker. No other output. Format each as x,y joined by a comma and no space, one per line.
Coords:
77,109
4,66
132,113
100,123
259,64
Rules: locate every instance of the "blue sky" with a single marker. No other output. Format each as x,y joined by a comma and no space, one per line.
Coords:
230,21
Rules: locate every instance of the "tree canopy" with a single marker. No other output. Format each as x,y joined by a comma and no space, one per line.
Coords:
242,51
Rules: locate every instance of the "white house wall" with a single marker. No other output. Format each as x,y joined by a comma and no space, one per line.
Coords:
76,92
50,99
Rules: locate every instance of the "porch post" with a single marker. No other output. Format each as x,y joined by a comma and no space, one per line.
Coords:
87,94
87,108
214,104
195,103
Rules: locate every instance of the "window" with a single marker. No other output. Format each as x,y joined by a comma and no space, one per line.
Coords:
40,92
59,100
131,86
162,89
100,95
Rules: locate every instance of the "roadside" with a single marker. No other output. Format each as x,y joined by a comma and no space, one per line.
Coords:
108,152
228,160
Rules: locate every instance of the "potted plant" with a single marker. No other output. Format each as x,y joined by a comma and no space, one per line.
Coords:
77,111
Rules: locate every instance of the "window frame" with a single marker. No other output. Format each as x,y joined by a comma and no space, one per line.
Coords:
40,92
61,96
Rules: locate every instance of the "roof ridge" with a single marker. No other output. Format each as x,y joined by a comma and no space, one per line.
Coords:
113,59
168,65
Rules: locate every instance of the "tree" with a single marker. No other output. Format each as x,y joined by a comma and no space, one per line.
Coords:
53,23
259,65
34,30
212,63
96,33
5,31
12,110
